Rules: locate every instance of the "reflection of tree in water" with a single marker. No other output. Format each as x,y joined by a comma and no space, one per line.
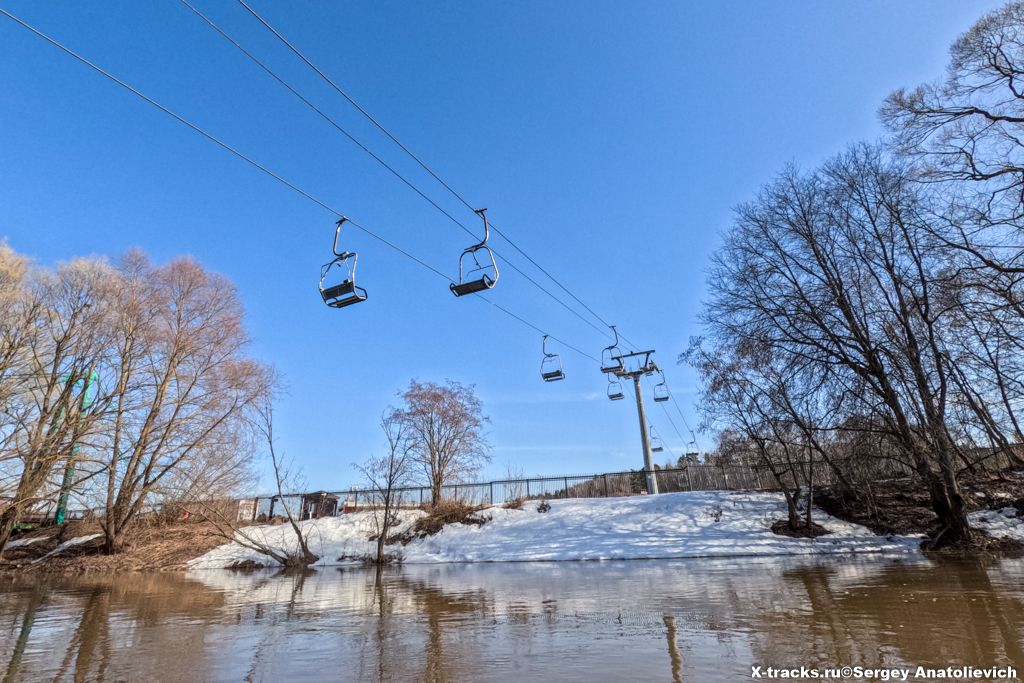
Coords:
671,621
93,633
22,625
901,614
447,654
292,581
98,644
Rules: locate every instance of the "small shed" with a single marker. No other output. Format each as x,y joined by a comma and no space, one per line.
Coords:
319,504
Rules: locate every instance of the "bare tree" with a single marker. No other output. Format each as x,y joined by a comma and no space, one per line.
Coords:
840,269
772,408
225,519
385,475
970,124
54,339
444,425
181,384
265,425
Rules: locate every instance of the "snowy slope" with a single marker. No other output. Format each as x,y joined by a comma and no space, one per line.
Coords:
674,525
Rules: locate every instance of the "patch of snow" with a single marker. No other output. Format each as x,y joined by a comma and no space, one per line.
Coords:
78,540
22,542
1002,523
672,525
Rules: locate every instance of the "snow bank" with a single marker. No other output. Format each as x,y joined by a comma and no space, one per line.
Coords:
78,540
673,525
1002,523
336,540
22,542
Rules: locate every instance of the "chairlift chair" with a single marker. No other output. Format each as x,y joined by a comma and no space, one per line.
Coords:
661,390
610,362
344,293
656,445
485,280
551,366
615,390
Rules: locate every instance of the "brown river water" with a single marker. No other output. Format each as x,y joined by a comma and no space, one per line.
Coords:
686,620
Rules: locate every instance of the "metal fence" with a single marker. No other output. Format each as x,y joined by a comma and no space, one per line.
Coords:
695,477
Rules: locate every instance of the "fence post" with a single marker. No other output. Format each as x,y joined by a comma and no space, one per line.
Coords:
689,481
255,508
725,476
527,488
492,493
566,488
605,477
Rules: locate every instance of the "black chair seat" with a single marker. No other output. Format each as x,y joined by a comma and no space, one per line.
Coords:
471,287
552,376
343,295
335,291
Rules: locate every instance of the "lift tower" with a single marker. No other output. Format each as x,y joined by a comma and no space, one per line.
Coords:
634,370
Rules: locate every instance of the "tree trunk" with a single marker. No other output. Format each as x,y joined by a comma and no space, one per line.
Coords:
435,490
954,528
113,541
810,500
7,521
791,503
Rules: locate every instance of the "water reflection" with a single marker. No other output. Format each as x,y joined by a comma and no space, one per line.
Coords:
693,620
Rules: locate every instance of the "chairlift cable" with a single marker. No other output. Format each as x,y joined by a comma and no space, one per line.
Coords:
422,165
693,437
370,152
241,155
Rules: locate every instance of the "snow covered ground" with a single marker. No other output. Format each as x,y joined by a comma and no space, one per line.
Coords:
1003,523
673,525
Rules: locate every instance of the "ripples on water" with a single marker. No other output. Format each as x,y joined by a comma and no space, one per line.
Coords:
694,620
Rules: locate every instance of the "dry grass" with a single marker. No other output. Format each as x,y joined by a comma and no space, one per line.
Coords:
149,548
448,512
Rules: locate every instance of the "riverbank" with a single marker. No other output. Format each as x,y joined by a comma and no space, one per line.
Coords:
78,549
669,526
902,506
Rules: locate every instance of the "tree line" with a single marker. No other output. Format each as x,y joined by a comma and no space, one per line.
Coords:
868,312
127,383
126,386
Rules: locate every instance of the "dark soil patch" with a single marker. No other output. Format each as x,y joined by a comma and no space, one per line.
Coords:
891,507
782,528
903,507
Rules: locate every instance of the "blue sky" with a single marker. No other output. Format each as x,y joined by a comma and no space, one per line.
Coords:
610,140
